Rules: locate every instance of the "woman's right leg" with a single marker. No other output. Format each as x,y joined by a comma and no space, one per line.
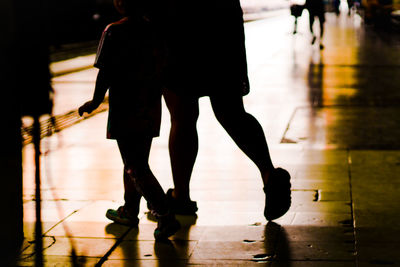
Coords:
183,140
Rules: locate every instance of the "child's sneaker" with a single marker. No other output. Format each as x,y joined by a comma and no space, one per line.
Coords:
122,216
277,194
167,226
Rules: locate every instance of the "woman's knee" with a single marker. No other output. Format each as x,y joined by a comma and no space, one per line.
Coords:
184,110
228,109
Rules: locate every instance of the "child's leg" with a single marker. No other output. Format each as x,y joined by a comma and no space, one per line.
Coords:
138,178
131,196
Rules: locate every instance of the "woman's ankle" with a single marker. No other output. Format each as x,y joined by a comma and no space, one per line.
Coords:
266,174
180,195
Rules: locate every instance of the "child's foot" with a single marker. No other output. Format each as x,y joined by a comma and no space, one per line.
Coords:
122,216
167,226
277,194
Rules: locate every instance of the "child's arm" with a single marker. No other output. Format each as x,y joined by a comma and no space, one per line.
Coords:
100,90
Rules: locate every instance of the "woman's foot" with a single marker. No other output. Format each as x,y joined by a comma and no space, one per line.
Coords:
177,206
181,207
277,194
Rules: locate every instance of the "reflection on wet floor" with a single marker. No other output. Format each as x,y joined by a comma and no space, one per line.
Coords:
331,118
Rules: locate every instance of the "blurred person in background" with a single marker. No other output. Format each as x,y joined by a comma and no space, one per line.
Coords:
316,9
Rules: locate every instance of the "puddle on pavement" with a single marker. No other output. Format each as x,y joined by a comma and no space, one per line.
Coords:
382,262
263,257
346,223
317,196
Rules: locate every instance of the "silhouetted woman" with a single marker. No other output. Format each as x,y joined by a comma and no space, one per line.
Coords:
207,57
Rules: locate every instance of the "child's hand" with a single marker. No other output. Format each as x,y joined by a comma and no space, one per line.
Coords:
88,107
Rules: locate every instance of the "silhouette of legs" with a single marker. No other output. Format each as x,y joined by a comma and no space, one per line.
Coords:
245,131
311,24
243,128
131,195
138,178
321,19
183,141
321,25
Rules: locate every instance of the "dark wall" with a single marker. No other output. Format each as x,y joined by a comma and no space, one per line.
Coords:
11,234
78,20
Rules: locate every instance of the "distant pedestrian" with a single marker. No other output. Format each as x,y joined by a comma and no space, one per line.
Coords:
130,60
316,8
350,5
296,10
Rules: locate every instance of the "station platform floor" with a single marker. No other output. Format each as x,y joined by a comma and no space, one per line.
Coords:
331,118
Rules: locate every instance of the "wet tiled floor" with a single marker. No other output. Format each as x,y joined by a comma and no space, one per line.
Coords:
331,118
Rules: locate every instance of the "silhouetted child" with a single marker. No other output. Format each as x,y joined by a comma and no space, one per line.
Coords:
130,60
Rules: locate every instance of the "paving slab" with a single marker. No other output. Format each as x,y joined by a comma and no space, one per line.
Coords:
330,117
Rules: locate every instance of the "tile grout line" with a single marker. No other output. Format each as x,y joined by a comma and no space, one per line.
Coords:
349,165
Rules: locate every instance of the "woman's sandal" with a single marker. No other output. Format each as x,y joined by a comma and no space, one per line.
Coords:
277,194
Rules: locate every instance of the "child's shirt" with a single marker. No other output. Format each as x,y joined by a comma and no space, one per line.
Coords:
131,55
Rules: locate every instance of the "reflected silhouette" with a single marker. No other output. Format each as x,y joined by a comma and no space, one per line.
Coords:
277,244
315,80
184,220
167,249
180,240
167,253
129,251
